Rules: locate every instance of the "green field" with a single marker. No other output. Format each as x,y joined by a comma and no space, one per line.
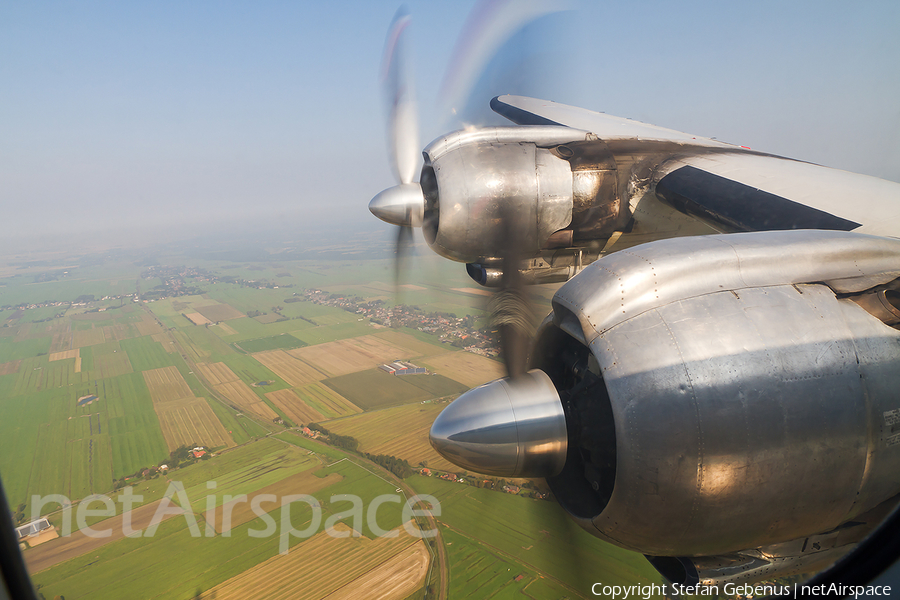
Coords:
376,389
12,350
535,534
195,564
275,342
337,329
436,385
146,354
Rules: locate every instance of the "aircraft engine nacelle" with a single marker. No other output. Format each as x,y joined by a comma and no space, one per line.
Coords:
736,398
718,394
550,184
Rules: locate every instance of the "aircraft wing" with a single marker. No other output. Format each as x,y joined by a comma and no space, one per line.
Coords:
729,188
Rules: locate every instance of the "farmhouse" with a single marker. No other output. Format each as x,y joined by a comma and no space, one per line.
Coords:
402,367
32,528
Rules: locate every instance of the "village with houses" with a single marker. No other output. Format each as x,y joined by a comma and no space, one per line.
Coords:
460,332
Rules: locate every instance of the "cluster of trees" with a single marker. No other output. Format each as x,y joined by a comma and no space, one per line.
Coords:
180,456
19,515
398,466
346,442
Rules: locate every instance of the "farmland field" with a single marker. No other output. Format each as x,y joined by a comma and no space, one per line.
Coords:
326,401
377,433
9,368
338,328
536,535
183,418
65,548
388,568
196,318
376,389
146,354
282,341
201,563
238,512
190,421
294,408
219,312
166,384
469,369
423,345
87,337
109,360
64,355
294,371
351,355
244,397
217,373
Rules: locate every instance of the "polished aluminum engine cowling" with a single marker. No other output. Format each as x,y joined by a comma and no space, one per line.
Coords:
725,393
473,181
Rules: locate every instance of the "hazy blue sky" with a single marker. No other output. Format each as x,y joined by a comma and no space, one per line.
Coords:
118,114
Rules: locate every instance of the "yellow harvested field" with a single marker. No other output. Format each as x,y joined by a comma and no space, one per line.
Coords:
8,368
87,337
190,421
148,326
237,512
350,355
230,385
163,339
467,368
334,569
378,433
219,312
473,291
296,409
217,373
64,354
245,399
77,356
166,384
197,319
44,536
403,574
412,286
326,401
294,371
